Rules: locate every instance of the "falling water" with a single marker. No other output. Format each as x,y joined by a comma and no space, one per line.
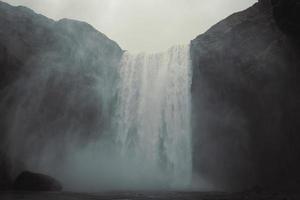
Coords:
153,117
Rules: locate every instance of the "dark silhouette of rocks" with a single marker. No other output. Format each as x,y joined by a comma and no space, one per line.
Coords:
28,181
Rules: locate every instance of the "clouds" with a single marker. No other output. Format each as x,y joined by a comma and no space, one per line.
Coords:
142,25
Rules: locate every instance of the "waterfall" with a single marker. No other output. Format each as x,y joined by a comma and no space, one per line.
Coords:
152,119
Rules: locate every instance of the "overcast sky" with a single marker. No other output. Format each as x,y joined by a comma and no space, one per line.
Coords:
142,25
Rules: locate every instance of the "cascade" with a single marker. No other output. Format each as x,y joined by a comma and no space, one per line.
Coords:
153,130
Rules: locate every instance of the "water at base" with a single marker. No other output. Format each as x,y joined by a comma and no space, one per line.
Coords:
152,122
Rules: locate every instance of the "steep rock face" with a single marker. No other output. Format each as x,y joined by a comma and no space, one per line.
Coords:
53,77
246,98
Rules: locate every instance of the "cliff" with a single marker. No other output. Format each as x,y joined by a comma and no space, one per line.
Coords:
56,80
246,96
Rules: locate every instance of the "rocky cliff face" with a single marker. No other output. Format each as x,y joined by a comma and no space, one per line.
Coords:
246,99
53,77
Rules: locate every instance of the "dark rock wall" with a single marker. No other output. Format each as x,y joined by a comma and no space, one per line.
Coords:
56,85
246,97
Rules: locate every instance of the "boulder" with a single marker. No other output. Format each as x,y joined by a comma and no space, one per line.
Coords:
36,182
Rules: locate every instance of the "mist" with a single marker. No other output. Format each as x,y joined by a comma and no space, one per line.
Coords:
78,113
99,96
83,111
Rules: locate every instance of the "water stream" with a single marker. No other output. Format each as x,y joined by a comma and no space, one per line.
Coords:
153,117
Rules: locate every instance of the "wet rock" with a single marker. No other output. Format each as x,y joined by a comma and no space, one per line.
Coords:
36,182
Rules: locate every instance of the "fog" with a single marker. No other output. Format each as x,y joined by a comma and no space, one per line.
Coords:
62,107
142,25
79,114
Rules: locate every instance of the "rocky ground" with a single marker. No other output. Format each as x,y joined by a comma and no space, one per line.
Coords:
144,195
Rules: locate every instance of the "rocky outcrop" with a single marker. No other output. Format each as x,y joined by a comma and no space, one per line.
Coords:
53,77
246,96
28,181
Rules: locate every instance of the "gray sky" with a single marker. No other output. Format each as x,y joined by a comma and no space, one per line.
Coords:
142,25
